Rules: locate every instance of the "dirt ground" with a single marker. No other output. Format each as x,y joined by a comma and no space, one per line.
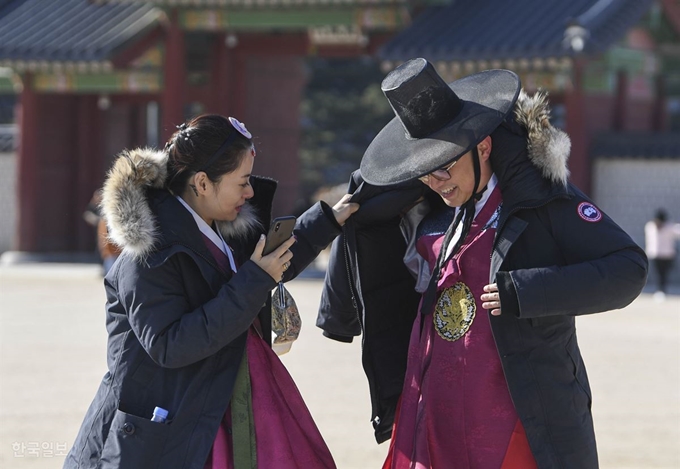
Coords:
52,357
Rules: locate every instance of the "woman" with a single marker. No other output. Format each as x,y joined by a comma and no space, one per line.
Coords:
660,238
188,312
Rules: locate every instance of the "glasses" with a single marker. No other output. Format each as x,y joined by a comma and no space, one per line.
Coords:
441,174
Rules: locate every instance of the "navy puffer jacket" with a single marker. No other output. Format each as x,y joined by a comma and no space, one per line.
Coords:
176,323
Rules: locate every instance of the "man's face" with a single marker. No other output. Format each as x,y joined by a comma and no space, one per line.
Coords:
458,189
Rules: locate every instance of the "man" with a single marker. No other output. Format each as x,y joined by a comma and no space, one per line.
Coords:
467,188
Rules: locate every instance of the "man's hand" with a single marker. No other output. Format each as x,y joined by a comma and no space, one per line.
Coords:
491,299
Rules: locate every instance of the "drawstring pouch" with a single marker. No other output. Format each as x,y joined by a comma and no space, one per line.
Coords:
286,322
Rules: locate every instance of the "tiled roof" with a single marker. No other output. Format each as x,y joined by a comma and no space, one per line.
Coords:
511,29
636,145
258,3
68,30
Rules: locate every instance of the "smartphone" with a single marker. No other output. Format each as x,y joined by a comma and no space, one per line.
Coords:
280,230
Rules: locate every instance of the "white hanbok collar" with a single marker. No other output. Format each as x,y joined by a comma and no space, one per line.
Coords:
478,208
212,235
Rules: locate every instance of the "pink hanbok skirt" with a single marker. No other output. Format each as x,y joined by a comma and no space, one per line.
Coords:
286,436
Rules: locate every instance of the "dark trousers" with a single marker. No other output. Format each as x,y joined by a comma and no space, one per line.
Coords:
663,266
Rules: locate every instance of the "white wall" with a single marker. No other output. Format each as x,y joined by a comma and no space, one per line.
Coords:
630,191
8,200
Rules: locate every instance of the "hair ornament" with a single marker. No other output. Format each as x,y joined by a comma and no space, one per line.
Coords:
184,131
240,127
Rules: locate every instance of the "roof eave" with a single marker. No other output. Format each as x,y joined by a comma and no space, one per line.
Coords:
48,66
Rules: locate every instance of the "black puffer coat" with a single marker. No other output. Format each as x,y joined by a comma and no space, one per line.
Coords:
555,256
176,323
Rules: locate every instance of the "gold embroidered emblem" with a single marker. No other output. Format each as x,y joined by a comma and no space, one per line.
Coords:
455,312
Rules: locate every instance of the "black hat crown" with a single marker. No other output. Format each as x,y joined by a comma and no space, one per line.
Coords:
420,98
435,123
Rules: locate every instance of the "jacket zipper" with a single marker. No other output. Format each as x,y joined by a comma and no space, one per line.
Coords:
351,287
375,420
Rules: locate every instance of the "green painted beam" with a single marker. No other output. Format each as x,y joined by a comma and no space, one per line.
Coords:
631,60
113,82
369,18
290,19
7,85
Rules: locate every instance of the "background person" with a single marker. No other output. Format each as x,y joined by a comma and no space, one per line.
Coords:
188,312
467,189
660,239
108,251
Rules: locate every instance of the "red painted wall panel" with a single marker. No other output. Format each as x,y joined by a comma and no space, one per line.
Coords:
639,115
599,113
57,208
273,93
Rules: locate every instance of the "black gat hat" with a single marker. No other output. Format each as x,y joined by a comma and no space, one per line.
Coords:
435,123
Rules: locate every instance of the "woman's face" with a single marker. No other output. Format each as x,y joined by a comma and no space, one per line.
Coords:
230,193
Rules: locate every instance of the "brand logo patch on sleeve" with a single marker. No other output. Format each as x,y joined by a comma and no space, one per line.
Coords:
589,212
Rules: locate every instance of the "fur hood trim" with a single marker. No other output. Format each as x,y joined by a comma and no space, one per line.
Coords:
548,147
125,207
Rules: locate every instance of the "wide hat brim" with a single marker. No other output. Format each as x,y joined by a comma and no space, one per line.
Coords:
394,157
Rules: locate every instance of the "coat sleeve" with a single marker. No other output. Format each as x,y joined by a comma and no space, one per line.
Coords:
315,230
338,314
174,333
603,270
344,291
338,310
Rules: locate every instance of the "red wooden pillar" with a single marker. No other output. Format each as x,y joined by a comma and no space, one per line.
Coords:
621,103
90,168
221,79
172,99
28,169
239,91
659,115
579,163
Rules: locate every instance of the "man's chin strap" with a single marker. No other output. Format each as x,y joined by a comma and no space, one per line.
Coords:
467,215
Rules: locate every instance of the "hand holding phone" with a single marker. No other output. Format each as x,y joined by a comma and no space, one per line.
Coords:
280,230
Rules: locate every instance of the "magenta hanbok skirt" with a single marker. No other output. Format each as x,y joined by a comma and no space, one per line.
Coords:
285,434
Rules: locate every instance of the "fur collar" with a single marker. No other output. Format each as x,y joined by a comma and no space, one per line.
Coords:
548,147
132,224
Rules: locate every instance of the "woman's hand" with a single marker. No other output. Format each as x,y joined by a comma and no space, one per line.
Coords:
492,299
275,263
343,209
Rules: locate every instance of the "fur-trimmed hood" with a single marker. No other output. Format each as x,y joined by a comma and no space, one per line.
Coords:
547,147
130,218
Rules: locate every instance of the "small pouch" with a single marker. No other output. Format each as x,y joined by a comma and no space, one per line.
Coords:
286,322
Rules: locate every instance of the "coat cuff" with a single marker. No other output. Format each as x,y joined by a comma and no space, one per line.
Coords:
507,294
339,338
328,211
